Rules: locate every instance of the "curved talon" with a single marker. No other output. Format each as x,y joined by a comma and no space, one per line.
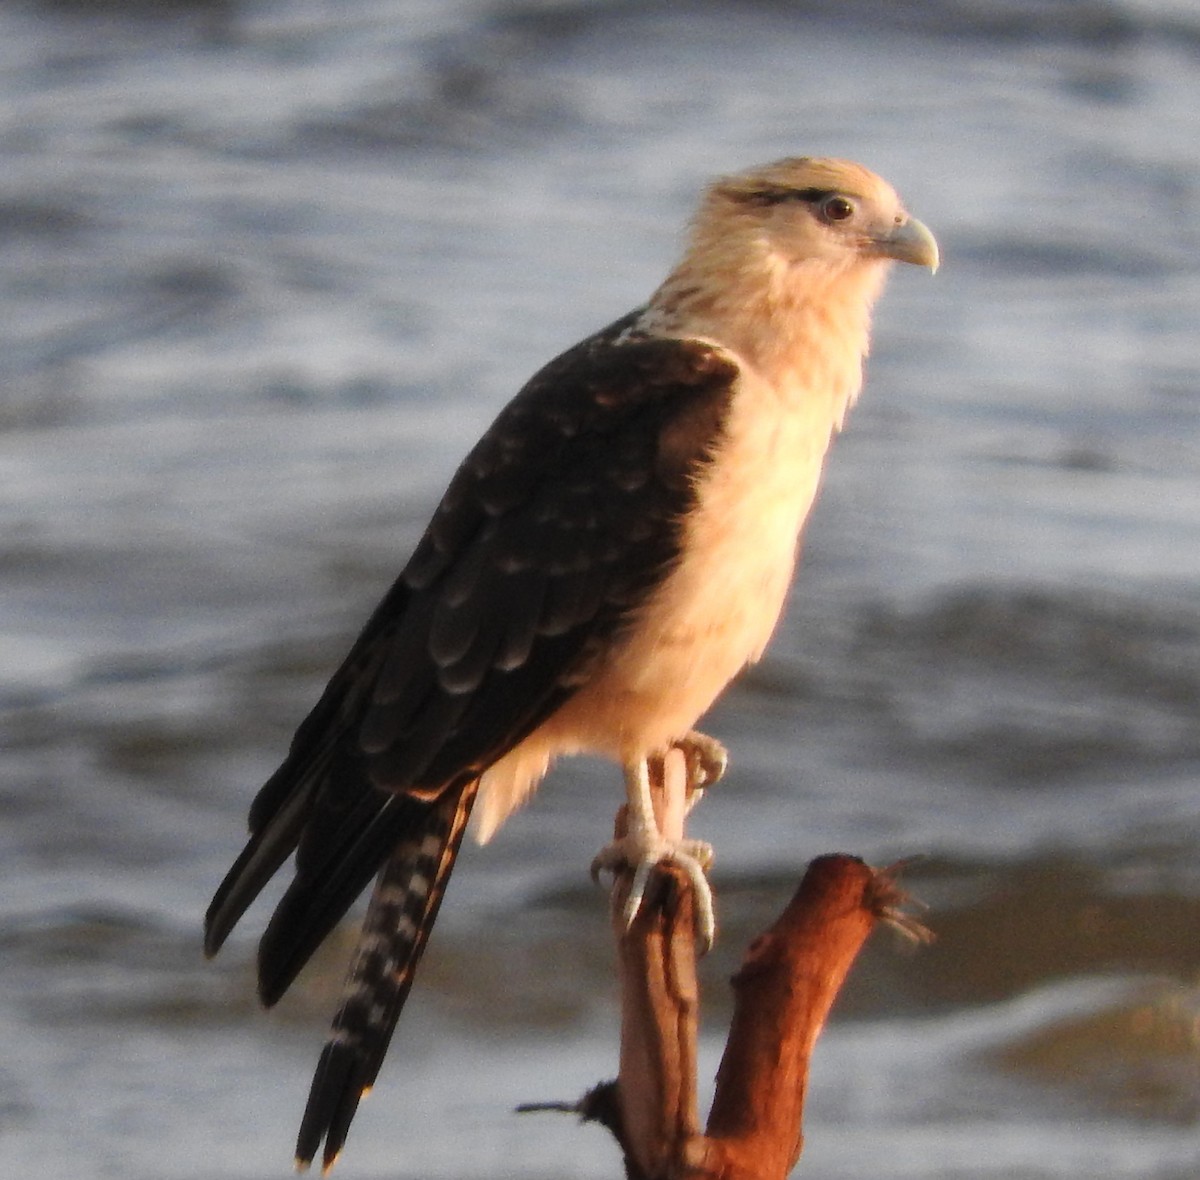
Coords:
637,892
695,868
706,759
609,859
693,858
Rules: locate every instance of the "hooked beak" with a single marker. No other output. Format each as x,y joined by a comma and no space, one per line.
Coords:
910,241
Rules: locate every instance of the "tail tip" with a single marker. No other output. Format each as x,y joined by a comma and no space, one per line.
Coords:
303,1163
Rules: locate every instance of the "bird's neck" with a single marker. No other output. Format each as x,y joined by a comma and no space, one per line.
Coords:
803,327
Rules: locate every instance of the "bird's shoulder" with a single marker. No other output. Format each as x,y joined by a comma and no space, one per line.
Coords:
623,407
624,369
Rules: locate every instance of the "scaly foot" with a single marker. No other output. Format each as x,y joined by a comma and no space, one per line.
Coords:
644,847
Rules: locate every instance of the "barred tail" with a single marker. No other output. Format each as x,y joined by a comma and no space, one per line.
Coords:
403,907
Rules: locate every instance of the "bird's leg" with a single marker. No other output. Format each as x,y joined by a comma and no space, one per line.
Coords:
648,846
645,846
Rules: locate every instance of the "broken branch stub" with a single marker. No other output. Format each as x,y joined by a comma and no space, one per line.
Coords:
784,990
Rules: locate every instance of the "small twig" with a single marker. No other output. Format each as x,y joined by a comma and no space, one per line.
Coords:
887,900
598,1105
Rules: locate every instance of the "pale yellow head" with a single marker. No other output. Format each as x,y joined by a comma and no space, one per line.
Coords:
807,209
783,264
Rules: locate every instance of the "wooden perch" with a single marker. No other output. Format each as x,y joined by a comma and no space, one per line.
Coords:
784,990
660,1001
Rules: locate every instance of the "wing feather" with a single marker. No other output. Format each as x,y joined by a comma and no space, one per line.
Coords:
563,516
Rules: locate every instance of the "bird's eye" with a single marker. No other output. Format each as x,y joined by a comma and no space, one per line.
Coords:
835,208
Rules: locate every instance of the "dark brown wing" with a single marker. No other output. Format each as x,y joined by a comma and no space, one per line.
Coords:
562,518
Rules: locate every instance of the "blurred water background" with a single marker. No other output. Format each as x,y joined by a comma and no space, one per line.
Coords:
268,266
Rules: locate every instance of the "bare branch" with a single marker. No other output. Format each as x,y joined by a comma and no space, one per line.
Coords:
656,1084
784,990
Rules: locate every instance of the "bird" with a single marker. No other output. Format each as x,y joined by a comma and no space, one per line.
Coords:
616,547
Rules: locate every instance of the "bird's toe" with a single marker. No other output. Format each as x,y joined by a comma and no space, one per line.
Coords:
706,759
643,855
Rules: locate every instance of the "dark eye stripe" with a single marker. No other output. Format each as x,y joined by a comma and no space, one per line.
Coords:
814,195
776,196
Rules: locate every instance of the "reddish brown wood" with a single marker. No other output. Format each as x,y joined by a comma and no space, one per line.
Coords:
784,990
656,1085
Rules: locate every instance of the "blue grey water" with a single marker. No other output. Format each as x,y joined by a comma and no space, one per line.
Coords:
268,266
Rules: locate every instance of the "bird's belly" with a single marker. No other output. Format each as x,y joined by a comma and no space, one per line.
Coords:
716,610
686,648
711,615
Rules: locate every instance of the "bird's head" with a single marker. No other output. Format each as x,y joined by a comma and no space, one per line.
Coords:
784,263
815,210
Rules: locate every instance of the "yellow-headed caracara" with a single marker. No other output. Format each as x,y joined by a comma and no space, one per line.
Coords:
614,549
